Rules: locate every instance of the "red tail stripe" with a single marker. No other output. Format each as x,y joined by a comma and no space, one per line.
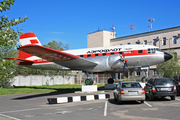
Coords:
34,41
27,35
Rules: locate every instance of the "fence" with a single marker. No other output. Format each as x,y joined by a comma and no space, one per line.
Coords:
33,80
81,80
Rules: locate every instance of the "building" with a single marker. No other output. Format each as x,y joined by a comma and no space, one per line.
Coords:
165,39
100,38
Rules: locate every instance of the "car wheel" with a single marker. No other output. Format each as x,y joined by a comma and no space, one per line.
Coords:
146,95
151,97
142,101
119,101
173,97
178,93
110,81
115,97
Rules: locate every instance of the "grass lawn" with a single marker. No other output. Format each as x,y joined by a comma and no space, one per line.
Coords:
41,89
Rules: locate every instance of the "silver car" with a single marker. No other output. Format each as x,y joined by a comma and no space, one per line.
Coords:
129,91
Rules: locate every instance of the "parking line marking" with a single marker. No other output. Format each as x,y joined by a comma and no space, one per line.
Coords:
55,107
9,117
148,104
105,109
178,99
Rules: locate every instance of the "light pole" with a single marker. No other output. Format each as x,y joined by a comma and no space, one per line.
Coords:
151,20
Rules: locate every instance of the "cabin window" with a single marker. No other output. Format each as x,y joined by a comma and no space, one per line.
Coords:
129,43
89,55
96,54
140,51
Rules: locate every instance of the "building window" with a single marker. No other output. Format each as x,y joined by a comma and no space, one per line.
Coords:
145,42
154,43
155,72
137,73
164,41
137,42
129,43
175,39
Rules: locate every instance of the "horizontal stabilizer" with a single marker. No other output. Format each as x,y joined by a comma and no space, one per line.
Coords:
19,60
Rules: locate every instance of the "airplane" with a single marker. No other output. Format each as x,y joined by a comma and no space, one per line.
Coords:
111,59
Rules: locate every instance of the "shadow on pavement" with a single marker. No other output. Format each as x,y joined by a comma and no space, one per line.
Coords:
112,101
59,91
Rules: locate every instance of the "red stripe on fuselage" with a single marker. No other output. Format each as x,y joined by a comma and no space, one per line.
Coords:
126,53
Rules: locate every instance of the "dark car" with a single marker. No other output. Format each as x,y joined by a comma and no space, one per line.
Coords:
160,87
176,80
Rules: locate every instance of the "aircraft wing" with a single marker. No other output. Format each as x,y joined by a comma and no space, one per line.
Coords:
62,58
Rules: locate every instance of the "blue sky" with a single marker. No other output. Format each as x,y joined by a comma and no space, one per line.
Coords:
70,21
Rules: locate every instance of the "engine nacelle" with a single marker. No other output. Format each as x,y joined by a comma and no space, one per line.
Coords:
114,62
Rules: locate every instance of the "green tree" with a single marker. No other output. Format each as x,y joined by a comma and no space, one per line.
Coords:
8,39
170,67
57,45
21,70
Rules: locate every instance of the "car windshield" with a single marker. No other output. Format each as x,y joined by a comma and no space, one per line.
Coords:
131,85
163,82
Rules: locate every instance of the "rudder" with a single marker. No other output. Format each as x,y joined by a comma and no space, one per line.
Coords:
25,39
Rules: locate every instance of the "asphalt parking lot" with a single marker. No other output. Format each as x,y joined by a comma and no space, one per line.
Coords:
36,107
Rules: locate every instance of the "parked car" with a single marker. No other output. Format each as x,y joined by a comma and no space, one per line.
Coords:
129,91
160,87
176,80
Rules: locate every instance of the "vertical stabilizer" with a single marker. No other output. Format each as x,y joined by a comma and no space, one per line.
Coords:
25,39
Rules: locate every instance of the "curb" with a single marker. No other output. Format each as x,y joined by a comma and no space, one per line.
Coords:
77,98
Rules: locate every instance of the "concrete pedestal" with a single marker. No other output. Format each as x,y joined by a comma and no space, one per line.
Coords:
110,86
89,88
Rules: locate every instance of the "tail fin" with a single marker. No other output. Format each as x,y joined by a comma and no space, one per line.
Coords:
25,39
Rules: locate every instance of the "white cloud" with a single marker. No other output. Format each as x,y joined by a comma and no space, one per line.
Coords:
58,33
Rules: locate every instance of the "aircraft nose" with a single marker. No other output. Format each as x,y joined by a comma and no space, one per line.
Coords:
167,56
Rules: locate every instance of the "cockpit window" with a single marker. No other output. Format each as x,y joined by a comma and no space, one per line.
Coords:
153,50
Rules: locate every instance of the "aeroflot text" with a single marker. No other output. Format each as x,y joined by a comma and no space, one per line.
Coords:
104,50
